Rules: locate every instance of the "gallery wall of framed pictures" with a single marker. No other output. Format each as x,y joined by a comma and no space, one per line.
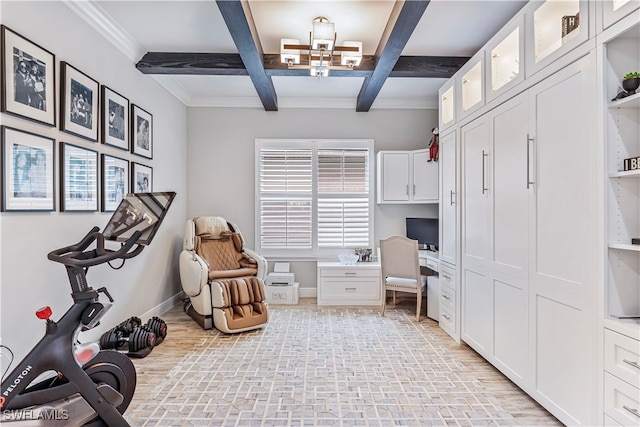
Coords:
96,123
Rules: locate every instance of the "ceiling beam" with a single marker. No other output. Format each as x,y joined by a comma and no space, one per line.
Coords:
405,16
237,16
230,64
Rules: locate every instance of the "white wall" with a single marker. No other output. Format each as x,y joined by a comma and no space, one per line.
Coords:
222,144
28,280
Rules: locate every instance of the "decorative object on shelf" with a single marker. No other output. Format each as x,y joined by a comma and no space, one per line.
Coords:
27,171
115,119
79,105
28,80
322,52
141,178
364,255
348,259
115,181
631,82
433,145
79,178
632,163
142,132
570,23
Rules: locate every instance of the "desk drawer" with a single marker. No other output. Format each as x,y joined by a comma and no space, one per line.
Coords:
621,401
447,320
622,357
349,273
338,291
447,277
448,298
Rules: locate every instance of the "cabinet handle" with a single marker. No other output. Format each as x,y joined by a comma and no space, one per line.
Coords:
451,198
632,363
350,289
484,155
446,276
414,189
407,189
350,273
446,297
446,317
632,410
529,181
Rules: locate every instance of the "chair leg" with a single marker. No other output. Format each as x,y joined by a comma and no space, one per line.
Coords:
394,298
419,306
384,302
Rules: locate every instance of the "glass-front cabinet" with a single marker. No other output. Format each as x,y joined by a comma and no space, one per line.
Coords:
555,27
614,10
447,105
472,85
505,61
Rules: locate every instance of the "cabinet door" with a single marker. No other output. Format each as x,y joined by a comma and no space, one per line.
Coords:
395,176
477,289
510,243
564,267
448,205
425,177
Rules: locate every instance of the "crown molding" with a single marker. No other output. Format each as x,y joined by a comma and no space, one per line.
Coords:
104,25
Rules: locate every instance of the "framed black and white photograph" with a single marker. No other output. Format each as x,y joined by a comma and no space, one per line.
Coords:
115,119
79,108
28,79
28,171
79,178
141,178
115,181
142,132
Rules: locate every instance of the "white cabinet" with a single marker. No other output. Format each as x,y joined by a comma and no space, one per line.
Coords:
358,284
505,58
448,105
529,264
554,28
406,177
449,313
614,10
448,245
472,84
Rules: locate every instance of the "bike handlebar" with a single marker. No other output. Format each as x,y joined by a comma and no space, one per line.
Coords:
76,256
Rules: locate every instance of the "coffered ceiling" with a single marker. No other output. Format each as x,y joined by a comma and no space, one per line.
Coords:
225,53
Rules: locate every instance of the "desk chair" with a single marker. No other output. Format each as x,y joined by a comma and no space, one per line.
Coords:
400,266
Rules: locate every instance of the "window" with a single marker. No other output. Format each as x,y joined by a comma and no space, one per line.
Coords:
314,197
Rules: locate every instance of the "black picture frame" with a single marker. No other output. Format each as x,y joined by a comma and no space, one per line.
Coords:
79,109
28,79
141,132
79,178
115,119
115,181
28,171
141,178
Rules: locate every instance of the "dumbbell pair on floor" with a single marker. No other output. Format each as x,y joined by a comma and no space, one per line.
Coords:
133,338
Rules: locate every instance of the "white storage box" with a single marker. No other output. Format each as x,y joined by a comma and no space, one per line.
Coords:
282,294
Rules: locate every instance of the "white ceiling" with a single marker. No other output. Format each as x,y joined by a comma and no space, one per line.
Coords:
447,28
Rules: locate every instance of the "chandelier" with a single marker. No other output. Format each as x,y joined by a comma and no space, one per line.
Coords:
322,53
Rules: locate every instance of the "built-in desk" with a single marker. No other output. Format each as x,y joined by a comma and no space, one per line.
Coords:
430,260
430,267
357,284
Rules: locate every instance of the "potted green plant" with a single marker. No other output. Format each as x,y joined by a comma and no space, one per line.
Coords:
631,82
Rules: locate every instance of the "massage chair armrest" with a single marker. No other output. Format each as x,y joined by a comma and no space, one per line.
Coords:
194,273
262,263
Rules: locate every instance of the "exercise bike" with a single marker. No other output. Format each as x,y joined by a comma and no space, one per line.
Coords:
89,386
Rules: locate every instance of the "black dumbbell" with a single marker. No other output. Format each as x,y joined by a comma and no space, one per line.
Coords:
158,327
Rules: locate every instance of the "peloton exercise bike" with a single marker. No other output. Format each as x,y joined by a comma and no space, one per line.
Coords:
87,386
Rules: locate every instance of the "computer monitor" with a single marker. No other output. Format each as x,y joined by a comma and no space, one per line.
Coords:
138,212
425,231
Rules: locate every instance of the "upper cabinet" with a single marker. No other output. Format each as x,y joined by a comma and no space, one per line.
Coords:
555,27
472,85
447,108
505,58
614,10
406,177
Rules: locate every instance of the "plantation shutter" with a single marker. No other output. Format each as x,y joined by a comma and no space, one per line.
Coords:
343,198
286,194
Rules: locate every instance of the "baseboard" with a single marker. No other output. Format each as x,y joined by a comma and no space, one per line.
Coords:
308,292
164,306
